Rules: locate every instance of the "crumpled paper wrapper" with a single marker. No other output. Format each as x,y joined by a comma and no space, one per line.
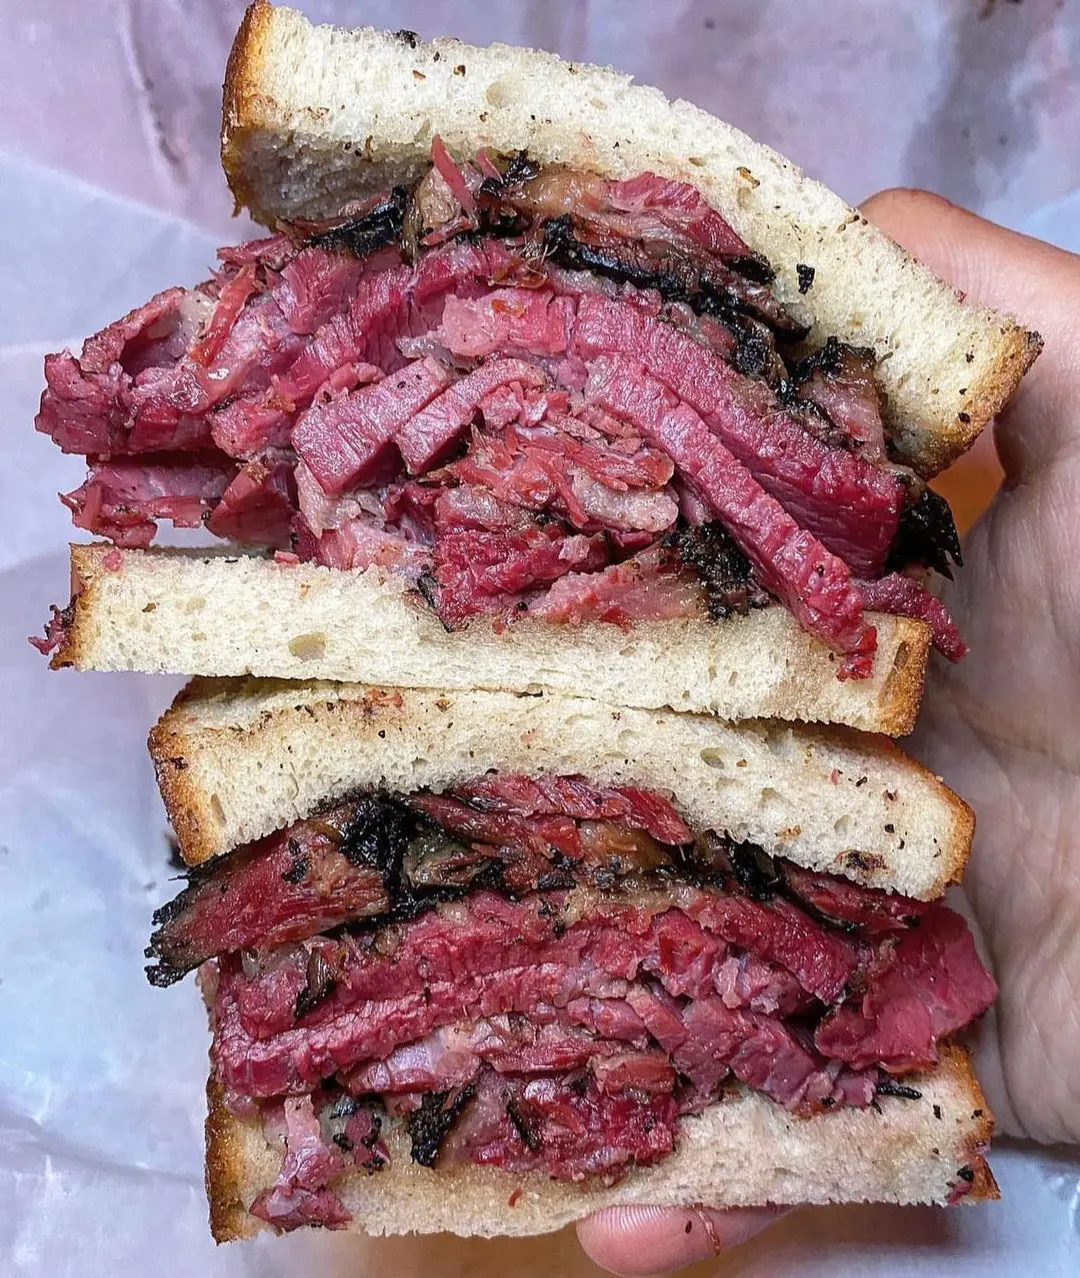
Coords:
110,190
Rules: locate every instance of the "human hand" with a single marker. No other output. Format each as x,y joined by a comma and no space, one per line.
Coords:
1002,726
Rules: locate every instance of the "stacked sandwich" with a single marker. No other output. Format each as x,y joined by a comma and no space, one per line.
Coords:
547,847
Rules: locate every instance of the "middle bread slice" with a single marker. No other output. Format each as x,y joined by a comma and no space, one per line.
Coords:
237,759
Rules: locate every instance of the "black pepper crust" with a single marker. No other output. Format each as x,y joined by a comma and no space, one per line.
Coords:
430,1124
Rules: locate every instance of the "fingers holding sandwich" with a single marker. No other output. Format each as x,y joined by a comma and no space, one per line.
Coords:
643,1240
1018,275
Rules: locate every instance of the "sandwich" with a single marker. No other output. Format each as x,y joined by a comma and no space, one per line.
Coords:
568,455
486,962
539,381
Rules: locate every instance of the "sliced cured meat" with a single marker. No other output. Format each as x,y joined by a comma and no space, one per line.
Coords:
258,506
124,499
288,886
489,571
852,506
570,1130
549,795
300,1195
849,904
82,408
479,317
910,598
547,1042
507,321
839,381
430,435
646,587
788,561
364,541
498,956
931,985
350,441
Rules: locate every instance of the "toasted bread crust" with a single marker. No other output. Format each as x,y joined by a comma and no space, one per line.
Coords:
991,389
745,1151
229,1218
240,102
226,614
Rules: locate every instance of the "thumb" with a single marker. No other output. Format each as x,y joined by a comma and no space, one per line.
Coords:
1024,277
644,1240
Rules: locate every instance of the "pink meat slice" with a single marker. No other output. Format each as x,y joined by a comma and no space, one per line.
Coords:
86,405
907,597
852,506
489,571
348,442
573,796
258,506
299,1195
814,584
124,499
641,588
489,934
507,321
428,436
933,984
556,1127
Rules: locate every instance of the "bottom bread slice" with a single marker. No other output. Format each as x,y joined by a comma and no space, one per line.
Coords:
743,1151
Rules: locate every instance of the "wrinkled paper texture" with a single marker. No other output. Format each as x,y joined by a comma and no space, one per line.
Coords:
110,190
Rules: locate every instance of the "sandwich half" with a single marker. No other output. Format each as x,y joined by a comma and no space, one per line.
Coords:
487,962
541,380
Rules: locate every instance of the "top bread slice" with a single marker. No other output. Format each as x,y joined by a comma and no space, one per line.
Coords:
237,759
314,116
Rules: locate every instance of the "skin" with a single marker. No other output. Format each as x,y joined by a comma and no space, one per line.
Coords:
1003,726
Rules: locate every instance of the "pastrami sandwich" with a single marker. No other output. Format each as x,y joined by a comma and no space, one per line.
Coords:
485,962
542,380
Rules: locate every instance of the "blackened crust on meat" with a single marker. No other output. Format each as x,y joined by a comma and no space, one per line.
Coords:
362,236
428,586
754,870
725,572
320,985
404,862
890,1087
563,247
522,1124
430,1124
166,971
830,359
162,975
297,872
519,169
380,834
752,266
740,291
927,535
377,835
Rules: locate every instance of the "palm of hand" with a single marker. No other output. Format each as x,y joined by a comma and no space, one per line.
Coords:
1004,728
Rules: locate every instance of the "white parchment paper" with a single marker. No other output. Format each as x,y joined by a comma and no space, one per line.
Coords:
109,190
